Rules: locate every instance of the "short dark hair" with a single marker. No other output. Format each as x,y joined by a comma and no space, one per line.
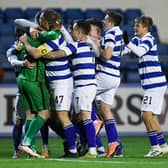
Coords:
83,25
145,21
95,22
114,17
51,17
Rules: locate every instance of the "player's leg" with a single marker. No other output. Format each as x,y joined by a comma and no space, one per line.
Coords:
149,108
44,131
106,89
61,95
39,101
83,105
18,125
161,137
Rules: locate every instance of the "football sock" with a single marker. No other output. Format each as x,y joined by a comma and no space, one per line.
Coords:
26,125
111,130
90,132
70,137
153,138
93,114
81,131
17,135
98,141
34,127
44,133
161,139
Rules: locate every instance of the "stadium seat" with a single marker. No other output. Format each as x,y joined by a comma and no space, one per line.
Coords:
131,14
129,29
154,32
6,29
6,42
13,13
163,49
31,12
60,11
1,16
73,14
94,13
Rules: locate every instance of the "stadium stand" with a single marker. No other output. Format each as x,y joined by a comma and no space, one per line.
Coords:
131,14
12,13
94,13
30,13
129,63
73,14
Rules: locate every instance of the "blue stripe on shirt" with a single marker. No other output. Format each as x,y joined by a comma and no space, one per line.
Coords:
155,85
109,65
148,63
52,78
83,55
84,77
83,66
52,44
57,68
151,75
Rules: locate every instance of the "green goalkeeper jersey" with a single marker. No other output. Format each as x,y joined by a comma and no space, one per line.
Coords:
37,72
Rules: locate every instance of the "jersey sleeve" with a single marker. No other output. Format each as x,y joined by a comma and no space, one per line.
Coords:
70,48
51,35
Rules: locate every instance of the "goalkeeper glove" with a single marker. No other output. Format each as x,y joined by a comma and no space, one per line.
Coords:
125,37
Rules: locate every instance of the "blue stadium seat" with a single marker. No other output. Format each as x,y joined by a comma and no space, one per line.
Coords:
6,42
116,10
6,29
61,12
1,16
163,50
94,13
129,29
131,14
13,13
31,12
73,14
154,32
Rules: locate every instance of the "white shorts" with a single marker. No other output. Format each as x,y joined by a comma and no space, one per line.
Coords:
61,94
83,98
153,100
106,87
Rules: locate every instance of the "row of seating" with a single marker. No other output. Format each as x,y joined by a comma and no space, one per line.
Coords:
7,15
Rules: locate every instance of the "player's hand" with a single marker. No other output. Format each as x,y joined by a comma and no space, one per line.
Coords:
23,39
34,33
28,64
125,37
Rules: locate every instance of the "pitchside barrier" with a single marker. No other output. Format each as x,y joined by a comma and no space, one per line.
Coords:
126,110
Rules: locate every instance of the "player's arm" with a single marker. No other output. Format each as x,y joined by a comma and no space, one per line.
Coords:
66,34
12,56
50,35
55,54
64,51
35,52
106,53
13,59
138,50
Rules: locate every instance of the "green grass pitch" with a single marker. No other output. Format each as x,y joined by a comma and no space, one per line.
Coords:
135,148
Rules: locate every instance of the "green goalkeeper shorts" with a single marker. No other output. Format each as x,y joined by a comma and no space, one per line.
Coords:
34,95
